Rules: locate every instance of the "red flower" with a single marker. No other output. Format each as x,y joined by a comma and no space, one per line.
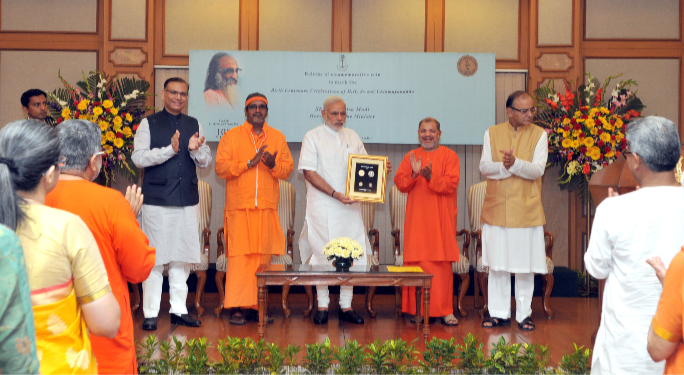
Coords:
606,149
570,156
76,114
573,121
586,169
567,128
119,134
584,117
135,127
600,131
108,110
623,146
600,143
577,127
76,103
583,149
612,137
59,120
612,121
627,116
97,104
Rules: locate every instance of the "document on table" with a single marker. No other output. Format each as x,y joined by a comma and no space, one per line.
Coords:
404,269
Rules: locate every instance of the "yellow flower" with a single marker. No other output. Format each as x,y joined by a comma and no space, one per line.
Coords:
566,121
610,154
593,111
108,148
103,125
572,168
66,112
107,104
593,131
129,118
575,143
618,123
110,136
118,142
578,114
566,143
117,120
127,132
97,111
82,117
588,141
114,111
117,128
605,110
83,105
595,153
619,136
590,123
104,140
566,133
605,137
66,118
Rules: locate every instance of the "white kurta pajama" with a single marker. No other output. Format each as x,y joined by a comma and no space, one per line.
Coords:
172,231
628,230
326,152
513,250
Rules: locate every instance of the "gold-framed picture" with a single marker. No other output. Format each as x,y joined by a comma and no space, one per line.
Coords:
366,178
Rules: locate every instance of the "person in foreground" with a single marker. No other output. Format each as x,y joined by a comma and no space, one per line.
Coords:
513,160
252,158
124,247
17,330
329,213
627,231
430,176
70,292
667,327
169,146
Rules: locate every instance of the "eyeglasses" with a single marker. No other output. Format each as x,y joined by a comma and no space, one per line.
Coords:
335,114
230,71
181,93
254,107
532,110
625,153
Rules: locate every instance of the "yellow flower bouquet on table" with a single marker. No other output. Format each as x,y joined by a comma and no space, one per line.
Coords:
343,251
585,127
116,106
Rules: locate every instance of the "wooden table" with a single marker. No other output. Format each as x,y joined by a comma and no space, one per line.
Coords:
362,275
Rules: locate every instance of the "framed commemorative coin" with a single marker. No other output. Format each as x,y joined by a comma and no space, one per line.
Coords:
366,178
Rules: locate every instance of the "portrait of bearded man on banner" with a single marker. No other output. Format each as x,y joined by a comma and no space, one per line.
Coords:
221,88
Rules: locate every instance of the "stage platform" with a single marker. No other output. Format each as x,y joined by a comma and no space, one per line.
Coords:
574,322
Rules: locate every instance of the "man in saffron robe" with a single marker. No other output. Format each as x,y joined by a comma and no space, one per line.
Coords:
430,176
124,247
252,158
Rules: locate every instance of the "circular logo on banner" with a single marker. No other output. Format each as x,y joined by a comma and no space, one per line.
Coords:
467,66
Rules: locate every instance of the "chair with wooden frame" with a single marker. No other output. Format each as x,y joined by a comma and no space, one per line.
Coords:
286,215
200,269
461,268
476,195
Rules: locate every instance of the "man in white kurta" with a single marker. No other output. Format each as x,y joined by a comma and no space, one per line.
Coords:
329,213
512,230
627,231
171,228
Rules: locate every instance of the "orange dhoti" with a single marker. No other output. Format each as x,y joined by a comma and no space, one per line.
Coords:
252,237
441,292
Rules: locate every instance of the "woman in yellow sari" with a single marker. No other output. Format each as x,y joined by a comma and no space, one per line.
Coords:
70,291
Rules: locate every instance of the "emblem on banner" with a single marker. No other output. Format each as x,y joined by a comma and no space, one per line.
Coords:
467,66
342,64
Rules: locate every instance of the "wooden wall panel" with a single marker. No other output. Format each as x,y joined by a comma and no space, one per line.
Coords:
555,22
128,19
49,16
296,25
374,29
634,19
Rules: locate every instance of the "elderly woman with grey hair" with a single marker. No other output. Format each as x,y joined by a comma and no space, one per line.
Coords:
628,231
124,247
70,291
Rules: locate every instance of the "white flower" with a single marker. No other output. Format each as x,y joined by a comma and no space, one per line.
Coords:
62,103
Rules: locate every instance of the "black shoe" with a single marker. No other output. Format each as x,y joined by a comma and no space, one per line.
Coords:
253,316
149,324
321,317
185,320
350,316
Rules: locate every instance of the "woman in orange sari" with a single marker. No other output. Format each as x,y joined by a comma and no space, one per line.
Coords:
70,290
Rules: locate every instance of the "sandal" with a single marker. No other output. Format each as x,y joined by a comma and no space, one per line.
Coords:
526,322
419,319
253,316
238,319
496,322
450,320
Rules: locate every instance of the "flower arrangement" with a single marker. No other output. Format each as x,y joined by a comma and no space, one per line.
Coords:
343,247
585,127
116,105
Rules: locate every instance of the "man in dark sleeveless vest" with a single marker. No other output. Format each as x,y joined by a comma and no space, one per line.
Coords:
513,160
169,146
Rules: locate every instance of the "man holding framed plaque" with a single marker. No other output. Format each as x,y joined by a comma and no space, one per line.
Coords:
330,214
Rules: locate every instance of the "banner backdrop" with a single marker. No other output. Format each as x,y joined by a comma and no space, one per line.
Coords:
387,94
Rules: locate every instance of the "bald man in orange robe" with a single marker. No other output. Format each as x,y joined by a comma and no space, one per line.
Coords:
430,176
252,158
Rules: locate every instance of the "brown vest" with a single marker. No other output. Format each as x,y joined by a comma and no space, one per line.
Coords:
513,202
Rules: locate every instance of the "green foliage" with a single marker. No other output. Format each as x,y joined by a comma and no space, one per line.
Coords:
351,357
582,285
377,358
439,356
577,362
534,359
196,360
291,352
400,356
319,357
470,355
503,358
275,360
145,350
